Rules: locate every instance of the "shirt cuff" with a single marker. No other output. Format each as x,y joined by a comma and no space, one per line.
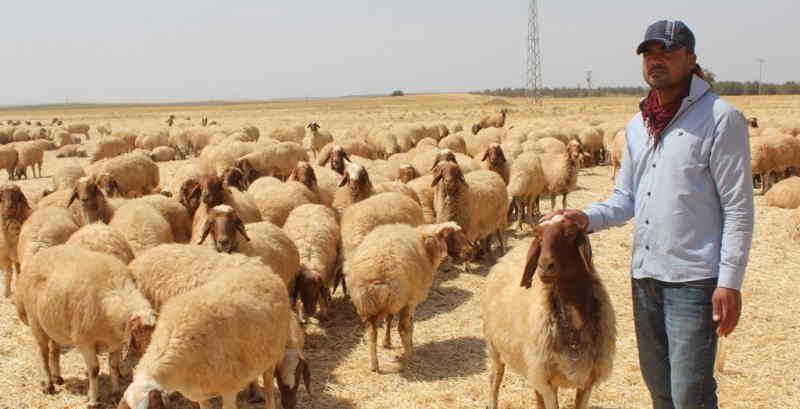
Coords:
730,278
595,219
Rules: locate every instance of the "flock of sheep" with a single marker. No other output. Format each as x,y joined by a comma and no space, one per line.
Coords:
112,259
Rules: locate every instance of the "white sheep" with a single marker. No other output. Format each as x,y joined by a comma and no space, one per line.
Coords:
29,154
556,328
135,173
107,147
315,232
384,283
316,139
354,187
66,177
785,194
363,217
323,182
214,341
69,295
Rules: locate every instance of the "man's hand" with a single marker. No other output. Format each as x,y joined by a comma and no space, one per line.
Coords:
727,304
579,217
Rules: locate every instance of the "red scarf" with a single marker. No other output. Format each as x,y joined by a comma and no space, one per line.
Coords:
657,116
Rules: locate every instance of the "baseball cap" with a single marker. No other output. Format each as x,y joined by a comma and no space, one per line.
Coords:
672,34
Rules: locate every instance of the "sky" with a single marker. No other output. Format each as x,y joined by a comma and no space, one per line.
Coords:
194,50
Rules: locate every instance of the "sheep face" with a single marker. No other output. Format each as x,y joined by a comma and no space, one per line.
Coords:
304,174
313,126
458,247
142,394
495,156
309,288
475,128
223,223
211,190
140,330
234,177
108,184
406,173
558,244
189,196
337,158
444,155
356,178
90,195
13,204
449,175
288,377
247,169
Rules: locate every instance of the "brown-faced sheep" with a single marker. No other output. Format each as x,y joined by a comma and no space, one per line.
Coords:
272,160
354,187
495,160
316,139
497,120
335,155
14,211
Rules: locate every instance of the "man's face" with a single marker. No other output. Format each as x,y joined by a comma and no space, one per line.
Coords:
663,68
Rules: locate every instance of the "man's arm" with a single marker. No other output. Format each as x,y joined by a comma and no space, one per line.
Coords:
730,167
619,208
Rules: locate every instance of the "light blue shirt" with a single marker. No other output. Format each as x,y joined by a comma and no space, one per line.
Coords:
692,196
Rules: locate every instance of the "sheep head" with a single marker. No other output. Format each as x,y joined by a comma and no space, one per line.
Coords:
91,199
475,128
444,155
406,173
356,178
494,153
309,288
189,195
13,204
336,156
289,381
557,245
250,173
446,239
139,330
108,184
753,121
223,222
449,175
313,126
234,177
212,191
143,393
304,174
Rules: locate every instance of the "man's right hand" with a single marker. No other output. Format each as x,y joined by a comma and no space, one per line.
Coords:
579,217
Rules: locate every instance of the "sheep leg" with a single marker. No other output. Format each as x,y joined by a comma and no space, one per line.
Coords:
114,359
44,353
373,344
269,387
502,241
387,340
229,401
582,397
55,363
89,354
206,404
495,377
7,280
405,327
254,392
552,202
564,202
549,397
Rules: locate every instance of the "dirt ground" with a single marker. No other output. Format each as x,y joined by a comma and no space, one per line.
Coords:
449,369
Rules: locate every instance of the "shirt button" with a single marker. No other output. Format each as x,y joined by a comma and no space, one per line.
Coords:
680,133
654,165
647,247
647,222
648,193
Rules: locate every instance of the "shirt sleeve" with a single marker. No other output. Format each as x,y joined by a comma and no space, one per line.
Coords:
619,208
732,173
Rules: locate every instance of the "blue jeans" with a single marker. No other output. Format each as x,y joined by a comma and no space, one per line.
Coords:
677,342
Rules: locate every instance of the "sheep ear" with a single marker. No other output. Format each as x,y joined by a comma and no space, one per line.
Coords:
293,175
461,178
345,179
313,179
206,228
344,155
306,374
240,227
485,155
154,400
502,155
325,158
73,196
585,250
532,263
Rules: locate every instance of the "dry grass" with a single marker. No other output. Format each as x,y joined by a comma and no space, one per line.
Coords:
450,368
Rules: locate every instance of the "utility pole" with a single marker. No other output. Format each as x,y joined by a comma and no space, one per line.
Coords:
589,82
533,67
760,72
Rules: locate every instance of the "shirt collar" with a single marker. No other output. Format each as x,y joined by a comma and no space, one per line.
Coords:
697,89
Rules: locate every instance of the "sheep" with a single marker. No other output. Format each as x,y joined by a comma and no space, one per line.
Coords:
66,177
102,239
45,227
591,140
151,140
80,129
785,194
104,129
21,135
92,201
293,366
477,144
556,328
136,174
288,134
315,232
273,160
525,185
550,145
316,138
425,192
618,153
497,120
334,154
188,355
275,199
212,192
406,173
477,203
163,154
354,187
560,176
174,213
263,239
71,151
14,211
69,295
455,126
384,143
29,154
384,283
496,161
142,226
307,175
454,142
8,159
251,131
397,187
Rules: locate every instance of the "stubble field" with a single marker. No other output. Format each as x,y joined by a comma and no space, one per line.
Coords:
450,368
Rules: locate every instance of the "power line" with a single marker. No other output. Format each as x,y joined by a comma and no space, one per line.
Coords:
533,71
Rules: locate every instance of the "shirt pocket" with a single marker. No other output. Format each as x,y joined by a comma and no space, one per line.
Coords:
687,165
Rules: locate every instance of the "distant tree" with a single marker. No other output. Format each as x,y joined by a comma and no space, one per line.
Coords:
397,93
711,78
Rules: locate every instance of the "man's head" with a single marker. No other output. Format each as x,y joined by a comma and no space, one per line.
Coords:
668,54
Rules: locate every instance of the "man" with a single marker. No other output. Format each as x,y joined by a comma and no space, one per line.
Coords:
686,178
